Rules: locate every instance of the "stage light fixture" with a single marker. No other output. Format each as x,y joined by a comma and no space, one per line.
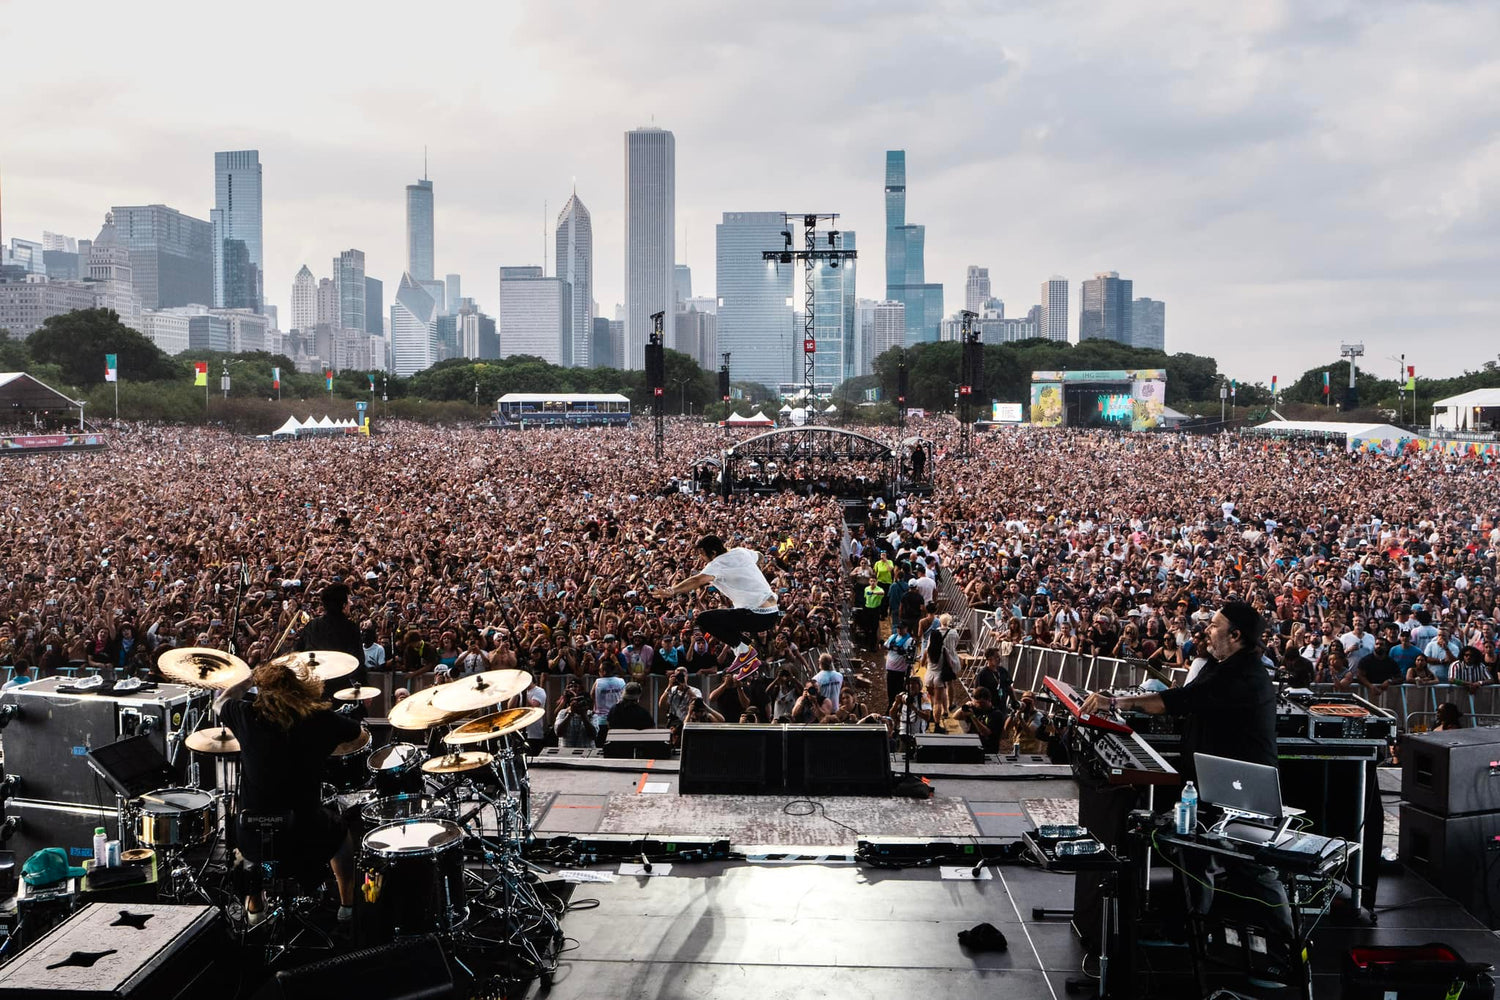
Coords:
833,237
786,258
787,235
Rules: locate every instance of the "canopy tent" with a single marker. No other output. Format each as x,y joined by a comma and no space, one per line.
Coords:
290,427
756,420
1353,436
19,391
1172,418
1475,410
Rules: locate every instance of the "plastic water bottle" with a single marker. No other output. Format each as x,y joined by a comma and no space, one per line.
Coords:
101,848
1187,810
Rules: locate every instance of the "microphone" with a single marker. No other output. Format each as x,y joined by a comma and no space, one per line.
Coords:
979,867
645,863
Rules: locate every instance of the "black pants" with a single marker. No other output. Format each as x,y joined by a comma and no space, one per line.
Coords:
895,684
729,625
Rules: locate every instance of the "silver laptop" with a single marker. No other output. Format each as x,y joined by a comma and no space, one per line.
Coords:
1240,790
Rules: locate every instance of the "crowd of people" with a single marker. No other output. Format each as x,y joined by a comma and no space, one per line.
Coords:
553,551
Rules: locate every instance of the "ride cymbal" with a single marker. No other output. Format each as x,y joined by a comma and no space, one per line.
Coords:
418,712
356,694
456,762
216,740
202,667
481,690
491,727
326,664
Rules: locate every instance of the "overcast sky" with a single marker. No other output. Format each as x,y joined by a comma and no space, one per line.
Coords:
1283,175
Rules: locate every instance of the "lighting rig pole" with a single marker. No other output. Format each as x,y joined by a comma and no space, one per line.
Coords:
809,256
971,374
656,376
1353,352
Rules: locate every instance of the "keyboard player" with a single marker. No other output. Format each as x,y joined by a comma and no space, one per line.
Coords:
1230,711
1230,706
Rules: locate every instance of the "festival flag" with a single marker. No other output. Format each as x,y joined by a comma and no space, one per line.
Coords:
111,368
275,378
372,382
328,380
1411,378
1325,383
200,373
1273,386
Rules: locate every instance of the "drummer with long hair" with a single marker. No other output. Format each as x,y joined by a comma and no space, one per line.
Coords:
286,731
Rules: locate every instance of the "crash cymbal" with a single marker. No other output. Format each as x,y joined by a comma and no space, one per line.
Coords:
455,762
202,667
328,664
481,690
494,726
216,740
356,694
418,712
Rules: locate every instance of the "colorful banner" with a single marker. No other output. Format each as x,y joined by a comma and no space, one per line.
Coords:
372,382
1411,378
328,380
49,442
200,373
1006,413
1046,404
1325,383
111,367
275,378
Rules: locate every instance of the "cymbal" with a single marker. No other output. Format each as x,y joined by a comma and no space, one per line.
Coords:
216,740
491,727
481,690
327,664
455,762
356,694
357,743
200,666
418,712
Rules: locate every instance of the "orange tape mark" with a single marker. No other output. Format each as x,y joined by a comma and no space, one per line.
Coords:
641,785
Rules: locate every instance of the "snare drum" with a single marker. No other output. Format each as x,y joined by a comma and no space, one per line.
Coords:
345,769
412,878
175,817
397,768
397,807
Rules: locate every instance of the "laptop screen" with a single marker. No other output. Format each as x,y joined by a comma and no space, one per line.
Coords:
1247,789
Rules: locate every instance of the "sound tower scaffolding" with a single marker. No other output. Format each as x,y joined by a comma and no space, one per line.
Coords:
900,418
971,374
808,256
656,378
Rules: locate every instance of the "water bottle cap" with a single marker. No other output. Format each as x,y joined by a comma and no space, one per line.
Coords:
99,830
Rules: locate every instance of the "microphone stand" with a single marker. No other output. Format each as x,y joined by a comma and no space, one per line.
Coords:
234,620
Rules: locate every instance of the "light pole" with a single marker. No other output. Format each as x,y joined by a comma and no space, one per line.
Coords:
1223,395
224,379
681,384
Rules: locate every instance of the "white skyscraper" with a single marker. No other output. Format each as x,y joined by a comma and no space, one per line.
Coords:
976,288
650,235
414,335
889,327
535,315
1054,309
304,300
575,265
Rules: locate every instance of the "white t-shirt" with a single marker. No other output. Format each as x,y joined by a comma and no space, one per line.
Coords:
536,697
607,694
927,586
374,656
830,685
736,574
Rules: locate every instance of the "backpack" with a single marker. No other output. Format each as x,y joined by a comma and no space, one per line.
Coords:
935,646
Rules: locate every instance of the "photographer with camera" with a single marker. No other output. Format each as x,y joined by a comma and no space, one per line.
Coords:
1026,725
677,699
979,716
575,723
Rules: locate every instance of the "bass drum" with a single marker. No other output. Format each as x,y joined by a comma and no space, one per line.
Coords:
412,880
175,817
345,769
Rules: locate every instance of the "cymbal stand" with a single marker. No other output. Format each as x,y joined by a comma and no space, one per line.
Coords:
519,907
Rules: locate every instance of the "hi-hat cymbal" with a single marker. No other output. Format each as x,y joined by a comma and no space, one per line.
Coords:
491,727
326,664
216,740
455,762
418,712
202,667
481,690
356,694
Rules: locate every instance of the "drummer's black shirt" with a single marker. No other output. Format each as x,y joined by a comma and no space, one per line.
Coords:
282,770
1230,709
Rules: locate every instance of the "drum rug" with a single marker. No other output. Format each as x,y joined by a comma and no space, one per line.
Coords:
786,820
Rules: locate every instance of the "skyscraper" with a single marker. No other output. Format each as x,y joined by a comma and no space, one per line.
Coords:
375,306
239,258
349,277
1054,324
453,288
1105,311
574,247
304,300
976,289
1149,324
905,270
650,235
599,351
171,254
755,312
834,320
419,239
328,303
889,328
414,341
536,315
682,277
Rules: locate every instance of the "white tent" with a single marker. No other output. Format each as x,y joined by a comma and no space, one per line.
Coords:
758,420
832,408
1353,436
290,428
1465,412
325,423
785,408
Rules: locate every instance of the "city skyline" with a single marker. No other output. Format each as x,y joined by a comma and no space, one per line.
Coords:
1237,166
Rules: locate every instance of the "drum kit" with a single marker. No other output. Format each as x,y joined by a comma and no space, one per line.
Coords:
418,811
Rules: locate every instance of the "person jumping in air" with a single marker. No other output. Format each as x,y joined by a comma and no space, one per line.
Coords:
735,573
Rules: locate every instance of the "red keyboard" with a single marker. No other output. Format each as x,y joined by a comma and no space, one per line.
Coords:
1070,699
